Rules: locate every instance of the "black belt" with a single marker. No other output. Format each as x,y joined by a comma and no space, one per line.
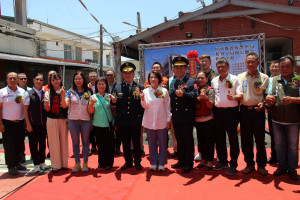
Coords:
249,107
14,121
227,108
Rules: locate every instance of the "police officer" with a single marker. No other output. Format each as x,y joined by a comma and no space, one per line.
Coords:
183,97
129,115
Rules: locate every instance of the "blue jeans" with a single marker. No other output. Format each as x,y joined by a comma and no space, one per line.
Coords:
157,138
76,127
286,144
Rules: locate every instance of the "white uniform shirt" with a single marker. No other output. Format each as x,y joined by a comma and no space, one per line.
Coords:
221,91
157,110
10,109
39,92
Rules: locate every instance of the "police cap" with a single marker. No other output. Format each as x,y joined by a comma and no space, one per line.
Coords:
180,61
127,67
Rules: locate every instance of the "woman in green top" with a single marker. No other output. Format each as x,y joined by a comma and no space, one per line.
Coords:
102,123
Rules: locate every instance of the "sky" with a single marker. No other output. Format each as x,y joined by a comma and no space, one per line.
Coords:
72,16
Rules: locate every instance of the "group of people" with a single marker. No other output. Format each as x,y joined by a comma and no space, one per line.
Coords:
104,113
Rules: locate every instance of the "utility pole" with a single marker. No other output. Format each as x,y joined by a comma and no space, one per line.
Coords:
139,23
21,12
101,51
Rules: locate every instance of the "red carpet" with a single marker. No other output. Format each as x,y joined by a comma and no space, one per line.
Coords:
132,184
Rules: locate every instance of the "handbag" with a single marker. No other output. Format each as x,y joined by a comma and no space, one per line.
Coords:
110,124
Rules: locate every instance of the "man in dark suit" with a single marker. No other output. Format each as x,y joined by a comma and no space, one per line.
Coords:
183,97
129,115
110,77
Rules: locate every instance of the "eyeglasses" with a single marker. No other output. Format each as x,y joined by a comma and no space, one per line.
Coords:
109,75
38,79
23,79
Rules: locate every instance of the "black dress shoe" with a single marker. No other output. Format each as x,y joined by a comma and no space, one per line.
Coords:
293,174
64,168
13,171
208,168
138,166
176,166
279,171
186,170
200,165
125,166
272,160
21,167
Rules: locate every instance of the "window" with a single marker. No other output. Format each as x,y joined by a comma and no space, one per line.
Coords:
78,54
67,52
108,60
42,49
95,57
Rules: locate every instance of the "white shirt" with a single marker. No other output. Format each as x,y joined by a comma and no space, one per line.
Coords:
39,92
93,88
10,109
221,91
157,110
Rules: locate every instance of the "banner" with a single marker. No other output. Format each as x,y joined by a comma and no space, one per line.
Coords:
235,52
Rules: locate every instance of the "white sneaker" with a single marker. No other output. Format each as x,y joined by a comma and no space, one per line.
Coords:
153,168
44,166
161,168
198,157
36,169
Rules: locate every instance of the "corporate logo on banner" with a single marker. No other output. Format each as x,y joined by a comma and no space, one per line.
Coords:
235,52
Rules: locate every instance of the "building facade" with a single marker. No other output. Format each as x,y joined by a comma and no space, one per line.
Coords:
50,48
278,20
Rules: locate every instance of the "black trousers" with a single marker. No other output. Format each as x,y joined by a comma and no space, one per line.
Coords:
105,144
185,143
117,140
23,145
226,121
129,134
92,138
37,144
273,150
13,139
206,139
253,124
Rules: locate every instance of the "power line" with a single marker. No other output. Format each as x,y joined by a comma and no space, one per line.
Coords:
272,24
89,11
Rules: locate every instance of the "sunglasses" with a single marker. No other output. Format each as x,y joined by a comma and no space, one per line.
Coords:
38,79
23,79
109,75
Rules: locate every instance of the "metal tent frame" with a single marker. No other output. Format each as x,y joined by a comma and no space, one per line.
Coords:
260,37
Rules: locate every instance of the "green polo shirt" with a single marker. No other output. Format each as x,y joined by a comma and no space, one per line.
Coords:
102,111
